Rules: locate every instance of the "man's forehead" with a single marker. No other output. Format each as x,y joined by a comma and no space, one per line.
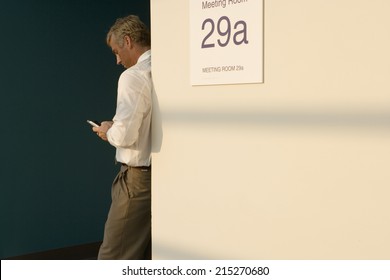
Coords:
113,43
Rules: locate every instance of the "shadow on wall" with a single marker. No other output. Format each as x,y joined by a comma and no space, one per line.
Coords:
357,119
167,252
157,131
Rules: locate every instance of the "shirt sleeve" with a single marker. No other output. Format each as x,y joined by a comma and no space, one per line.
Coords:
132,105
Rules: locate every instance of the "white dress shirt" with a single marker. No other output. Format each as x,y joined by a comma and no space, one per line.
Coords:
131,130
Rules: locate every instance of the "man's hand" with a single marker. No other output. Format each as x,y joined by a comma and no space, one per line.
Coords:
101,131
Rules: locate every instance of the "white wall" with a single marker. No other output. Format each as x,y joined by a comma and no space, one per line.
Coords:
295,168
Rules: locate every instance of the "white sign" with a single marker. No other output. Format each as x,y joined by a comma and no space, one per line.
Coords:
226,41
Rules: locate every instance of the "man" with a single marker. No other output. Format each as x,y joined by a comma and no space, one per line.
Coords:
127,233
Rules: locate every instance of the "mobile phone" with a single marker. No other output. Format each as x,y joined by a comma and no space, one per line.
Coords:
93,123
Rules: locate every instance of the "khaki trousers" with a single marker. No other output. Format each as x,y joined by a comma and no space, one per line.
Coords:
127,232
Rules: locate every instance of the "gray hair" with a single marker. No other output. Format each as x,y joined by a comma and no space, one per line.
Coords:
130,26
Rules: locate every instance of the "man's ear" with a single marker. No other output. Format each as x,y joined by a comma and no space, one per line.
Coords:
127,41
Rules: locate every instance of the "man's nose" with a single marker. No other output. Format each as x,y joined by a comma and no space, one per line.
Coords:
118,60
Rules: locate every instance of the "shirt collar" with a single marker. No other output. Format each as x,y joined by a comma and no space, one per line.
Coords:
144,56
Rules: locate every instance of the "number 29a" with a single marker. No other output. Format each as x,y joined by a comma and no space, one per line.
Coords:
224,29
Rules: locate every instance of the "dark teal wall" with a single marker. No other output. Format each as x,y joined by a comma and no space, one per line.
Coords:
56,72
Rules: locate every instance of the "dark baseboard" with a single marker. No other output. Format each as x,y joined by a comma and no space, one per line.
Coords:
80,252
